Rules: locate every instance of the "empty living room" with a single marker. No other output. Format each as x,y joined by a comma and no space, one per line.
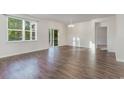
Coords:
61,46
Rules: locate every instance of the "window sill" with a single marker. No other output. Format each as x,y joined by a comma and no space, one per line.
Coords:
22,41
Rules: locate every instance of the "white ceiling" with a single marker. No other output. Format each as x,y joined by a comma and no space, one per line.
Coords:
66,18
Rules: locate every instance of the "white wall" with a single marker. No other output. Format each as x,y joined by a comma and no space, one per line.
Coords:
101,36
13,48
80,35
120,38
86,32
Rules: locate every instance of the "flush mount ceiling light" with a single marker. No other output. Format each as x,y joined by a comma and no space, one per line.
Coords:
71,25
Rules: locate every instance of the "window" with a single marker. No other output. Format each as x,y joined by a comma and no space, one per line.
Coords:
21,30
14,29
27,30
33,27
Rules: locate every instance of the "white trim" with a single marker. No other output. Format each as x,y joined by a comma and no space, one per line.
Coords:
36,37
53,38
95,34
27,30
23,31
31,31
10,55
120,60
7,35
22,41
27,18
111,50
15,17
15,29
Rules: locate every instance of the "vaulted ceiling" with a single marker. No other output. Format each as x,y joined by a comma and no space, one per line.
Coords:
66,18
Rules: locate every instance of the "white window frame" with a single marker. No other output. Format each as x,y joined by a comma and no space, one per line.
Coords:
23,30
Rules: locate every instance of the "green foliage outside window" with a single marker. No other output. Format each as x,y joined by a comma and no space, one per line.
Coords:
27,35
33,35
27,25
14,23
15,35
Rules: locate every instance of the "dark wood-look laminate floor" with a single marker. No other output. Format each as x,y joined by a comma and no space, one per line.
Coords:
62,62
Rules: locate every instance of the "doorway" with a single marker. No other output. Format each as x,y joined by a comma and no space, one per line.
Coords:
53,37
101,36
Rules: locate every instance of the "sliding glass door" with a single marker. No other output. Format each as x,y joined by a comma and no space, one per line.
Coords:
53,37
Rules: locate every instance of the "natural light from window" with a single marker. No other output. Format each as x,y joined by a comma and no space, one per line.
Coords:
21,29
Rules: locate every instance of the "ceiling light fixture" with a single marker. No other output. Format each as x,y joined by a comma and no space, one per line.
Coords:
71,25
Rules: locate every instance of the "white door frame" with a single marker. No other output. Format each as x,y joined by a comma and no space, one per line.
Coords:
95,35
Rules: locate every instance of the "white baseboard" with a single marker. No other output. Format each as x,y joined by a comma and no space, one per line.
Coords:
120,60
111,51
78,46
14,54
